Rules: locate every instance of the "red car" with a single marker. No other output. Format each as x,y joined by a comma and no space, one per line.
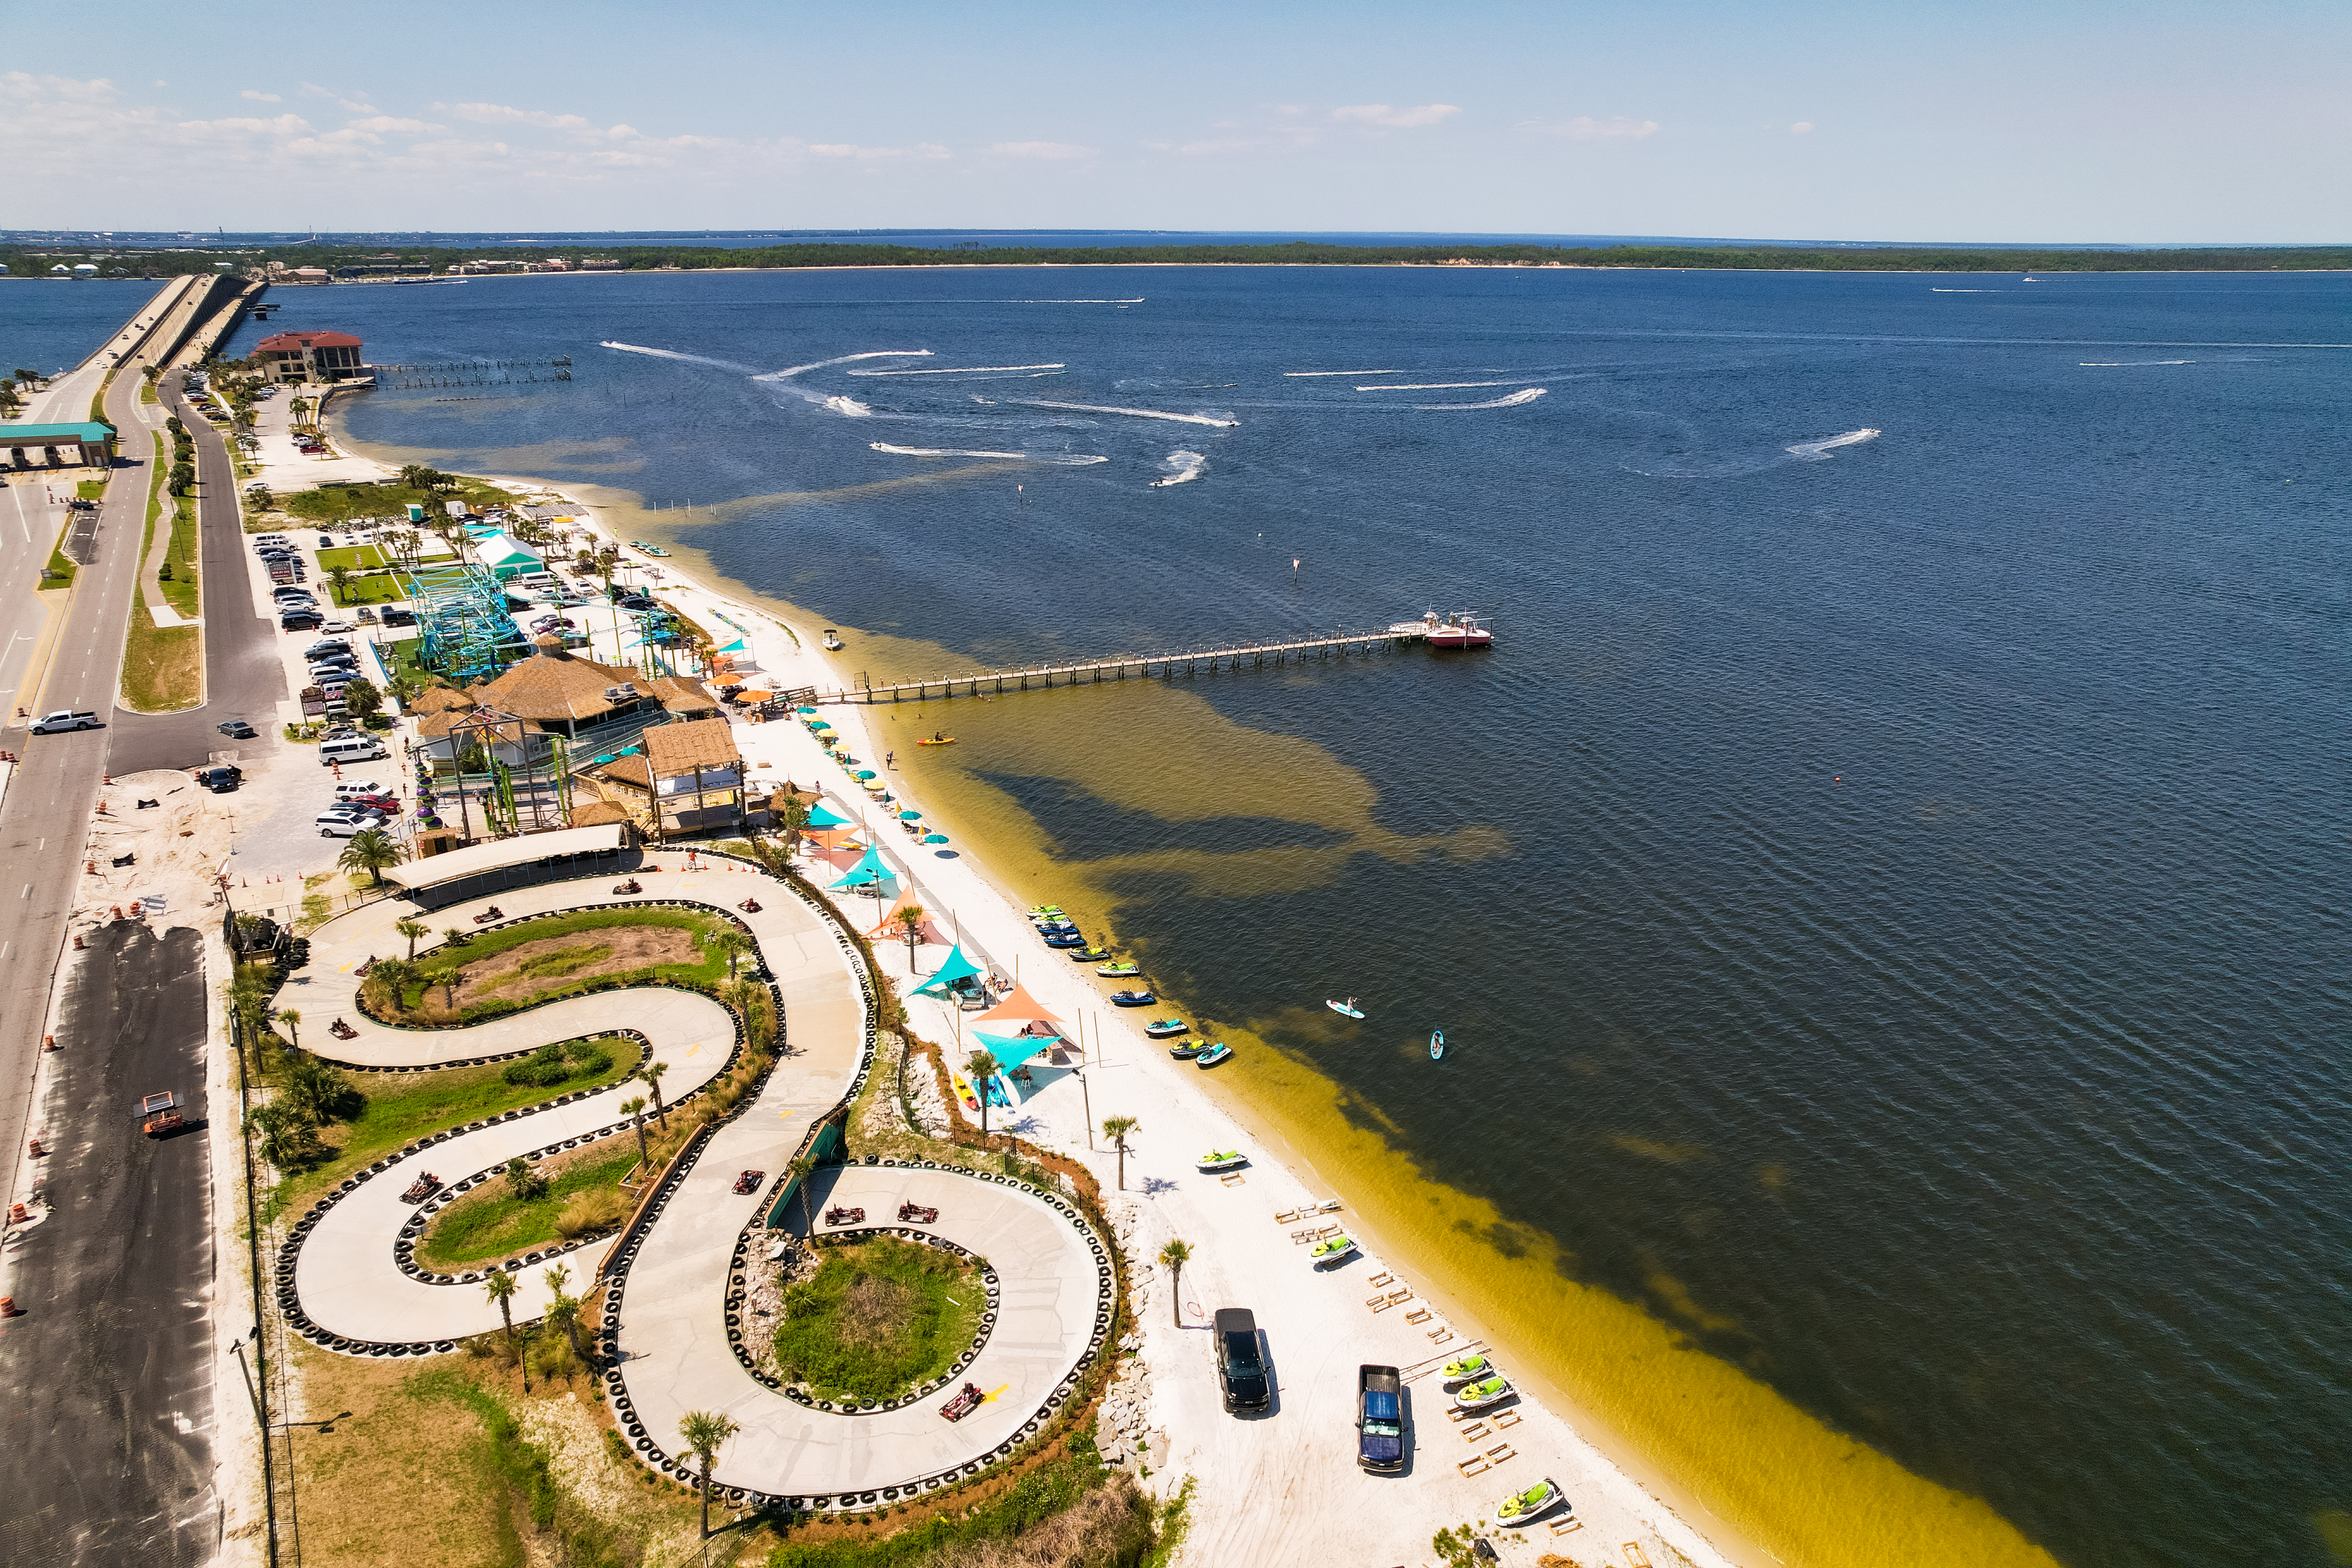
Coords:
749,1181
383,803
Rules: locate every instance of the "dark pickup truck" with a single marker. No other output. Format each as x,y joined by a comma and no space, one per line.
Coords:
1380,1420
1240,1366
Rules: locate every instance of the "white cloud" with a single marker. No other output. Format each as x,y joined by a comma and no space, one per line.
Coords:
507,114
259,97
851,149
1584,128
387,122
1050,149
1801,128
1398,119
1205,148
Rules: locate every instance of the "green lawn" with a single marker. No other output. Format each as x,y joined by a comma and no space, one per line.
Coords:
704,975
339,503
401,1106
375,588
358,557
881,1317
89,489
492,1222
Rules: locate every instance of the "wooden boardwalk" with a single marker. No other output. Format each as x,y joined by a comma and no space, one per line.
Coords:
1138,666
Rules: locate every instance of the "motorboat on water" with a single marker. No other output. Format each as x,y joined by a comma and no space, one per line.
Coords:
1346,1009
1213,1056
1479,1395
1461,629
1217,1160
1436,1044
833,643
1526,1507
1163,1029
1330,1250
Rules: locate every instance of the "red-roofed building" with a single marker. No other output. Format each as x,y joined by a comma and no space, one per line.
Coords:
309,356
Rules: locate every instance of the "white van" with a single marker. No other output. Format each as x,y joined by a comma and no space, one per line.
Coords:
351,749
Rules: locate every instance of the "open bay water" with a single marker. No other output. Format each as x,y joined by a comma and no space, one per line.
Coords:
1886,897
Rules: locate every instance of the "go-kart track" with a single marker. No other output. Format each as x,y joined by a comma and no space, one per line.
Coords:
672,1290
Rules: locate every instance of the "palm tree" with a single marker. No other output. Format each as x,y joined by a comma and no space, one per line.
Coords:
607,559
293,1021
801,1169
910,920
338,581
652,1073
730,945
634,1109
417,475
704,1431
411,930
979,1067
501,1287
371,850
748,997
563,1310
1174,1256
1116,1129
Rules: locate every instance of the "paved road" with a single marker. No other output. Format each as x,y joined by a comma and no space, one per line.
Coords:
243,677
45,818
105,1380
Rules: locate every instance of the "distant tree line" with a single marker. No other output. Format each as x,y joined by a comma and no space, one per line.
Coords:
27,261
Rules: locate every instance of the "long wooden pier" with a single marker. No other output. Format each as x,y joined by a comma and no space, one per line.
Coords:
1138,666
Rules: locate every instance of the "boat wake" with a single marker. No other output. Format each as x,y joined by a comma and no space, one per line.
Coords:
2129,364
847,407
966,369
1513,400
838,359
1428,385
1819,451
1182,467
1222,422
1303,373
1059,459
673,353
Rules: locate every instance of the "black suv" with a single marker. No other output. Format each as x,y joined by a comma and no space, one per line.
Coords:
220,780
1240,1363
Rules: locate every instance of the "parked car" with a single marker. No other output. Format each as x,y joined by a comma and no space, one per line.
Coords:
344,822
298,621
382,805
220,780
336,626
328,644
400,618
63,720
326,541
1380,1420
1241,1366
236,730
352,789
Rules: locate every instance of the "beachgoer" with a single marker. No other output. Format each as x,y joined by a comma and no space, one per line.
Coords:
889,759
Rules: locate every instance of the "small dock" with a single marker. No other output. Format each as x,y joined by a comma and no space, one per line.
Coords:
1138,666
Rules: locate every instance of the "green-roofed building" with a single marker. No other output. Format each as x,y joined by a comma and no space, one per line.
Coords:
57,446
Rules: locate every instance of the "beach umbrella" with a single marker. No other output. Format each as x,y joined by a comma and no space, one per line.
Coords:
804,708
756,696
910,816
935,838
865,774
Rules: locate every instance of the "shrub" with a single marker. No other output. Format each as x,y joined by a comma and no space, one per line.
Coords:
551,1065
592,1210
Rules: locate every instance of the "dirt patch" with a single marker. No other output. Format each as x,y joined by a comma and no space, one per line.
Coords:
535,967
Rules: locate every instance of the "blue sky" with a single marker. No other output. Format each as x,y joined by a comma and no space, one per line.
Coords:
2001,122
